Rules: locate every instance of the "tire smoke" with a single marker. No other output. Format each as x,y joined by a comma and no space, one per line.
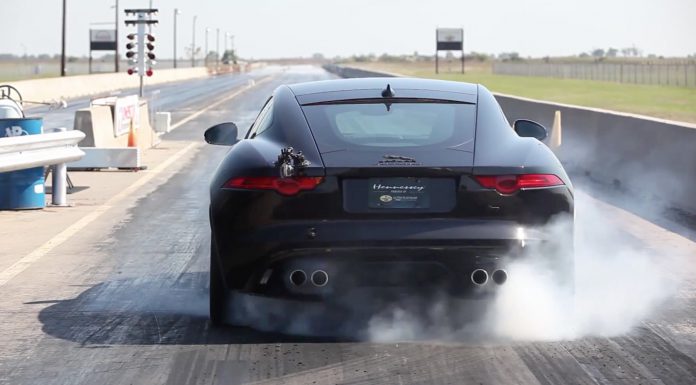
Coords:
618,283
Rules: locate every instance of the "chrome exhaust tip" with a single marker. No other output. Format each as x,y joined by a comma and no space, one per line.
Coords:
298,277
320,278
499,276
479,277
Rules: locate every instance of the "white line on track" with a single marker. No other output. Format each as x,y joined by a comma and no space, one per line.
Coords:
60,238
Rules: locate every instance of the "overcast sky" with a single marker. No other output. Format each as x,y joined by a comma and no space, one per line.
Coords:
285,28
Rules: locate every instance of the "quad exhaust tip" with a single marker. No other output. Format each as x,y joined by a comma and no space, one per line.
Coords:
298,277
479,277
499,276
320,278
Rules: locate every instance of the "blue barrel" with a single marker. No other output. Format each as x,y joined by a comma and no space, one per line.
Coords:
23,189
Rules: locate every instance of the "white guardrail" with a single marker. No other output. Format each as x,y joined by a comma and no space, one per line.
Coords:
55,148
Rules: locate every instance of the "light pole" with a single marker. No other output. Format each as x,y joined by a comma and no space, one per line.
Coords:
62,49
193,43
227,35
205,60
176,13
217,50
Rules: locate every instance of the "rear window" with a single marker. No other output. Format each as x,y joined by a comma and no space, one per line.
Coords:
380,124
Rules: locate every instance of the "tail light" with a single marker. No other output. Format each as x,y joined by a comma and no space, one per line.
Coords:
284,186
510,184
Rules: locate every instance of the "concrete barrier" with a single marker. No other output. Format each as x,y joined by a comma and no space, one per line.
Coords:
98,125
351,72
97,122
70,87
652,158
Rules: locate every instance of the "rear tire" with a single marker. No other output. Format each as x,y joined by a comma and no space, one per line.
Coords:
217,291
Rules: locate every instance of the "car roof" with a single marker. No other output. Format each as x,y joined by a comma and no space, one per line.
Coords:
345,89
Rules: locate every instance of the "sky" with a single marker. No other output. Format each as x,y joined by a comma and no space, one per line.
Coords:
285,28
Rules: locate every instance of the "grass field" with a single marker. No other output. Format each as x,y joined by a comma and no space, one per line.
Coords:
676,103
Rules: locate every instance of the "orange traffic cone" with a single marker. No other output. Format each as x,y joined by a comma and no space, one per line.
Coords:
132,137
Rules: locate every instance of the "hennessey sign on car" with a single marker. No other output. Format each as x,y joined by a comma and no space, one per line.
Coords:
399,193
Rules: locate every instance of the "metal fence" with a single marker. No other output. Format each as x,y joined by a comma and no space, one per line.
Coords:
677,75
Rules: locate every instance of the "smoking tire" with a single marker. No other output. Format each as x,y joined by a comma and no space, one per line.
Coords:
217,289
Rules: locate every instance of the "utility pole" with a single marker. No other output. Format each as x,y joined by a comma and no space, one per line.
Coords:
205,60
217,50
193,43
176,13
116,58
62,50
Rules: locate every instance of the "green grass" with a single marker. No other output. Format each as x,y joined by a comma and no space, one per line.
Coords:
674,103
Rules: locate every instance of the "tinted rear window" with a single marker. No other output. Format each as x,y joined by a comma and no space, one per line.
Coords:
402,124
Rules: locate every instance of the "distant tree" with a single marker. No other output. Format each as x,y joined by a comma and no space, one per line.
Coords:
318,57
212,57
229,57
190,53
509,56
385,57
598,52
631,51
612,52
477,56
584,54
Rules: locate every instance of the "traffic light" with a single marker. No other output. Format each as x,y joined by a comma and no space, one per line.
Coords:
150,46
141,44
131,54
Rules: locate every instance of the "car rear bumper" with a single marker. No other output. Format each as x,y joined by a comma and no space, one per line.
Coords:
380,232
439,253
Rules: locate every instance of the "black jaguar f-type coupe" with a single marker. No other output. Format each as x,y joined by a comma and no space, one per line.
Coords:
378,183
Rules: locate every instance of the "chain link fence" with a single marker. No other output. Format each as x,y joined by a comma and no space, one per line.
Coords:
668,74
